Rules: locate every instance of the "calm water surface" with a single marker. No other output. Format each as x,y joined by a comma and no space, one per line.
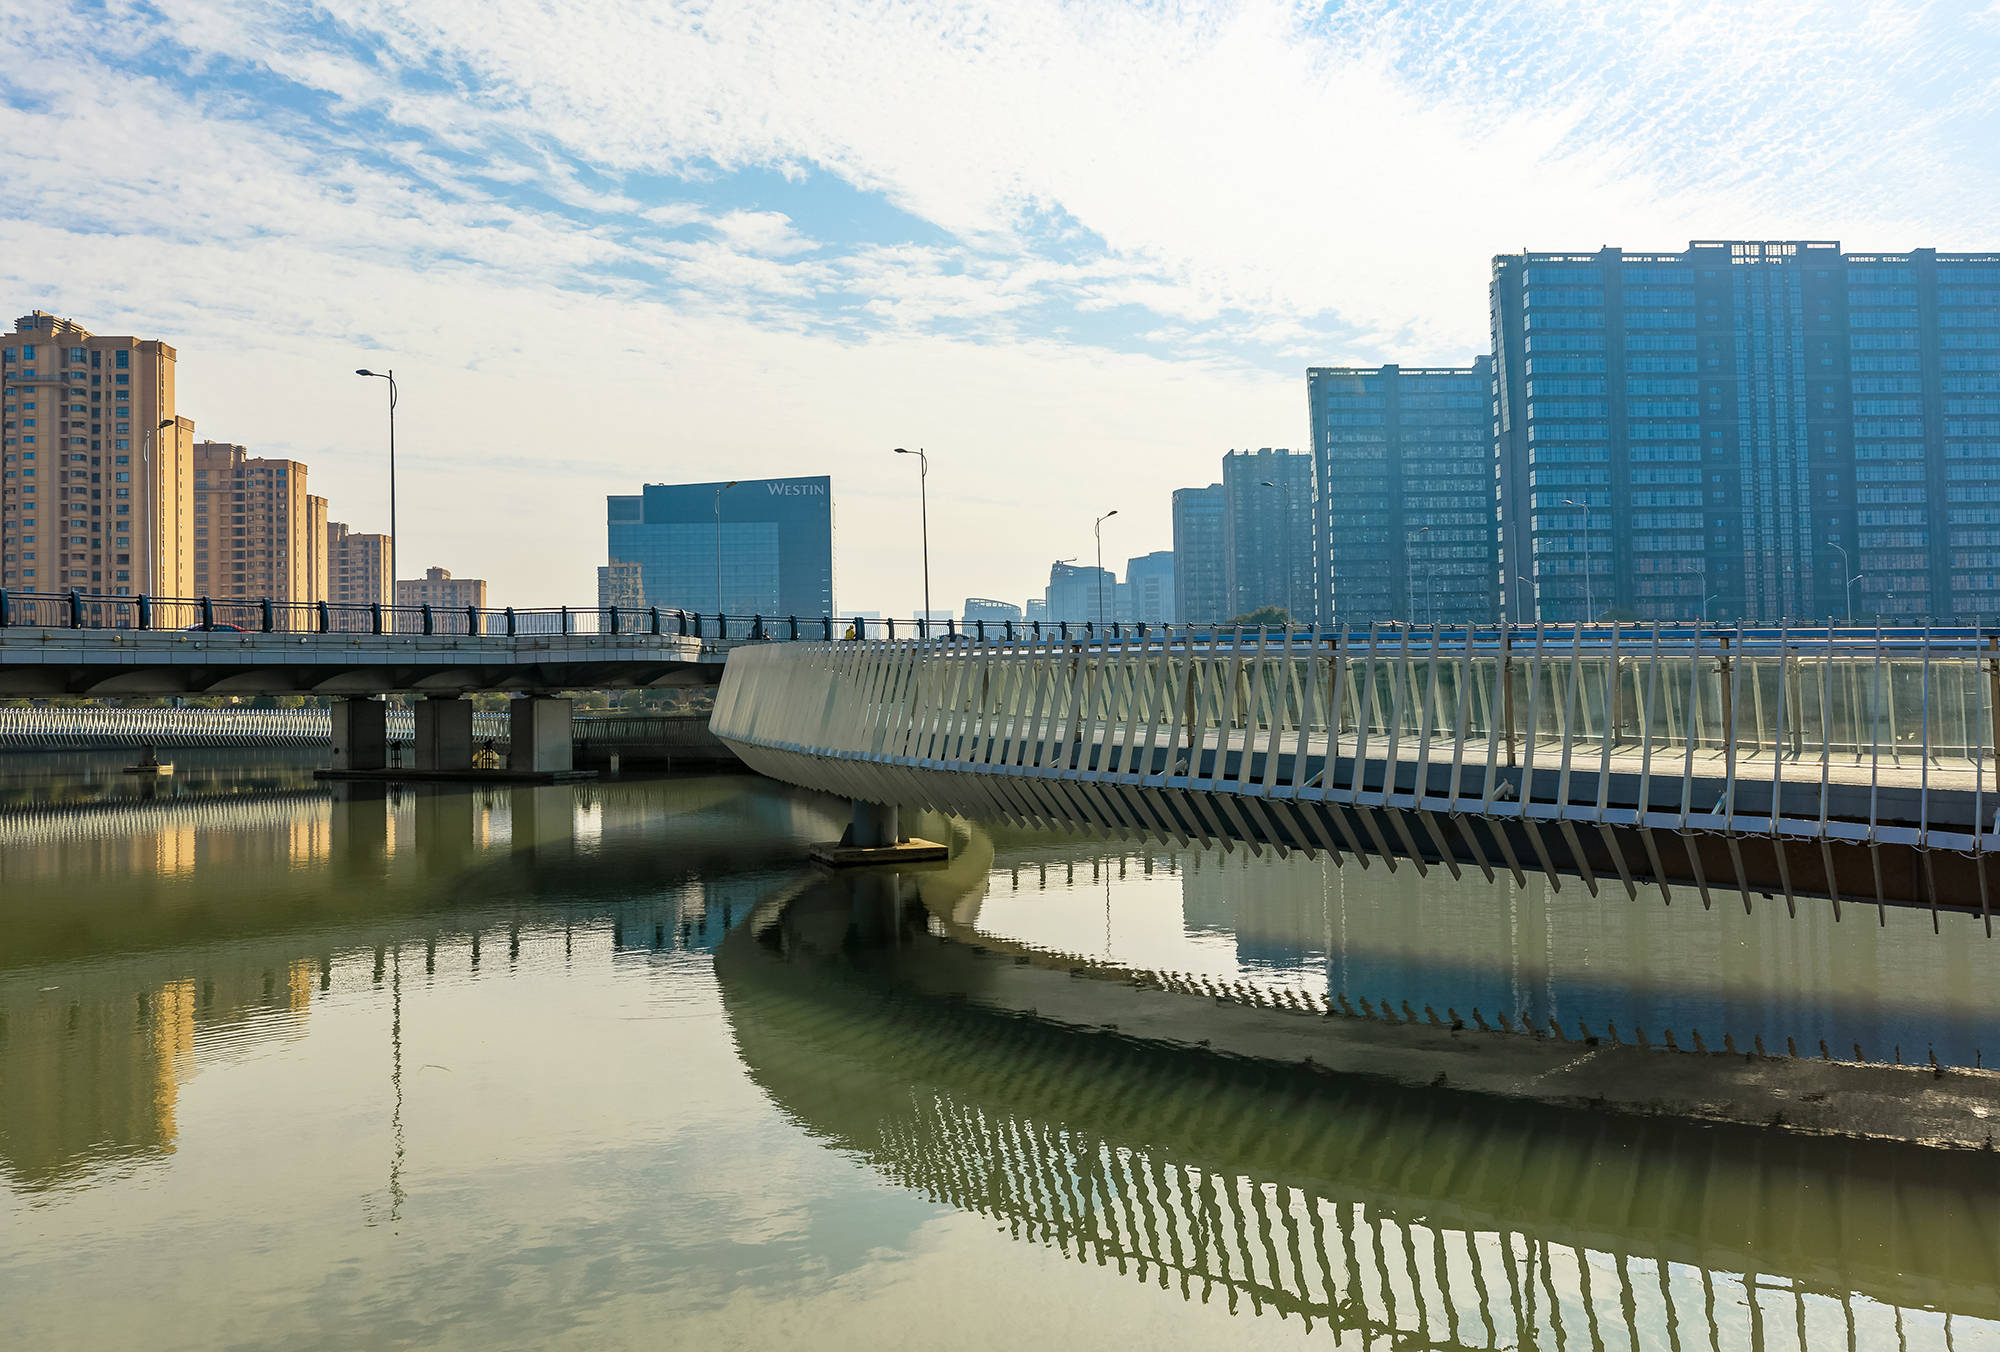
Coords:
610,1065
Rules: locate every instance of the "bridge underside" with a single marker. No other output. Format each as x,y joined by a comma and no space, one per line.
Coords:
1709,859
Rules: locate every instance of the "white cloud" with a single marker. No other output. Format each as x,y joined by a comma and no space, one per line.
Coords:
470,189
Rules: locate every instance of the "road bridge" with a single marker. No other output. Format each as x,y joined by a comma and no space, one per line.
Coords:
121,647
1840,764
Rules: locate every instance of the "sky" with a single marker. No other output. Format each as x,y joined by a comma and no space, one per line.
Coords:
1077,251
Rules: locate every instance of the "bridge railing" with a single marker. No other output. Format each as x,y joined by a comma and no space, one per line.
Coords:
1863,735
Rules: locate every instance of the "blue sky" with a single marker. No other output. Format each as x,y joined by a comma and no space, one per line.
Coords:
1077,250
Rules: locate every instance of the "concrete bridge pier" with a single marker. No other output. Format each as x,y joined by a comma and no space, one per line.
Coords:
539,735
360,734
875,835
444,733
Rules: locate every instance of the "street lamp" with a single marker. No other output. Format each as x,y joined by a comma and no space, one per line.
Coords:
718,551
1097,529
1528,582
1848,590
924,508
1704,606
1589,607
394,538
1291,600
1410,568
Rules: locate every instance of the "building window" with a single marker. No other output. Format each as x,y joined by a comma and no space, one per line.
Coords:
122,360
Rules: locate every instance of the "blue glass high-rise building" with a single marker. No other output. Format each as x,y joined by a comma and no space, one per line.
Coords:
1405,511
1748,429
771,538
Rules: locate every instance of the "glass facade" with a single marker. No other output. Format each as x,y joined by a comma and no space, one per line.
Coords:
772,540
1754,430
1201,570
1267,546
1404,518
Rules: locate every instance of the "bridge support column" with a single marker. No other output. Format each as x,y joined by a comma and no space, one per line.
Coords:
444,733
360,734
874,835
539,732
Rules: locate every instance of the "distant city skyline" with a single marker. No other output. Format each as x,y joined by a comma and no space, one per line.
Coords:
584,283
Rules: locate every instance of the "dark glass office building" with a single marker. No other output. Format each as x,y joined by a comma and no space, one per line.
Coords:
1754,430
1201,569
1267,498
772,538
1405,513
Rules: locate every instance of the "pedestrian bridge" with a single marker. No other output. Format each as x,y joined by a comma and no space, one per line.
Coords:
1838,764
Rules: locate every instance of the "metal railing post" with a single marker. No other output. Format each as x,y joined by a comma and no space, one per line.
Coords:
75,610
1064,630
472,620
892,630
375,612
795,627
756,626
207,614
145,612
268,618
565,621
512,629
614,621
656,621
981,625
325,618
6,609
721,626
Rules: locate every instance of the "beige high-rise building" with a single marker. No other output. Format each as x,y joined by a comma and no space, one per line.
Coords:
96,465
357,567
257,532
439,589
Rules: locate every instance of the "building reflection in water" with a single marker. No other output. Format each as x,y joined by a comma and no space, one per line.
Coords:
150,937
1861,987
1425,1218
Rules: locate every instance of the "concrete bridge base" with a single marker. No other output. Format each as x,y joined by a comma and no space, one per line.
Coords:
539,736
874,835
360,734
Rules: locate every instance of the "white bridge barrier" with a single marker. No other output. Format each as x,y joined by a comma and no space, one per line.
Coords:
86,729
1826,763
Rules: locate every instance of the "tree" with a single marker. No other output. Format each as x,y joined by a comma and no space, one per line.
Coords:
1264,617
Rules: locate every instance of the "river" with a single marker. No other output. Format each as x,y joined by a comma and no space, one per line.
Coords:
609,1064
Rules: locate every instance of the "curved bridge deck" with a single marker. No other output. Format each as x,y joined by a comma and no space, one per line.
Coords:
1852,766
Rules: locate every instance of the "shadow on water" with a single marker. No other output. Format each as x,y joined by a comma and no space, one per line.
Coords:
1428,1218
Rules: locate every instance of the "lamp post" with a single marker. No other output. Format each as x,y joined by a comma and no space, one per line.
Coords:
149,576
1410,567
1291,599
394,538
1525,581
924,511
718,551
1848,590
1589,607
1097,529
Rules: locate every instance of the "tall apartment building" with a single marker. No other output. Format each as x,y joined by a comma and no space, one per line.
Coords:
1267,503
1149,588
357,567
257,531
1201,568
1404,512
1742,427
1082,592
96,465
438,589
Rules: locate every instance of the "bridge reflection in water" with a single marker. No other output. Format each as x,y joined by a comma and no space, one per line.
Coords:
1423,1219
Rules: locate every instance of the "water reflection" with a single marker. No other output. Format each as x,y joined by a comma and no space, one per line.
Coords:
1857,988
148,940
1426,1218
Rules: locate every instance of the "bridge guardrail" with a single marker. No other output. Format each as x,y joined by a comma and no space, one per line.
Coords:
1386,743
